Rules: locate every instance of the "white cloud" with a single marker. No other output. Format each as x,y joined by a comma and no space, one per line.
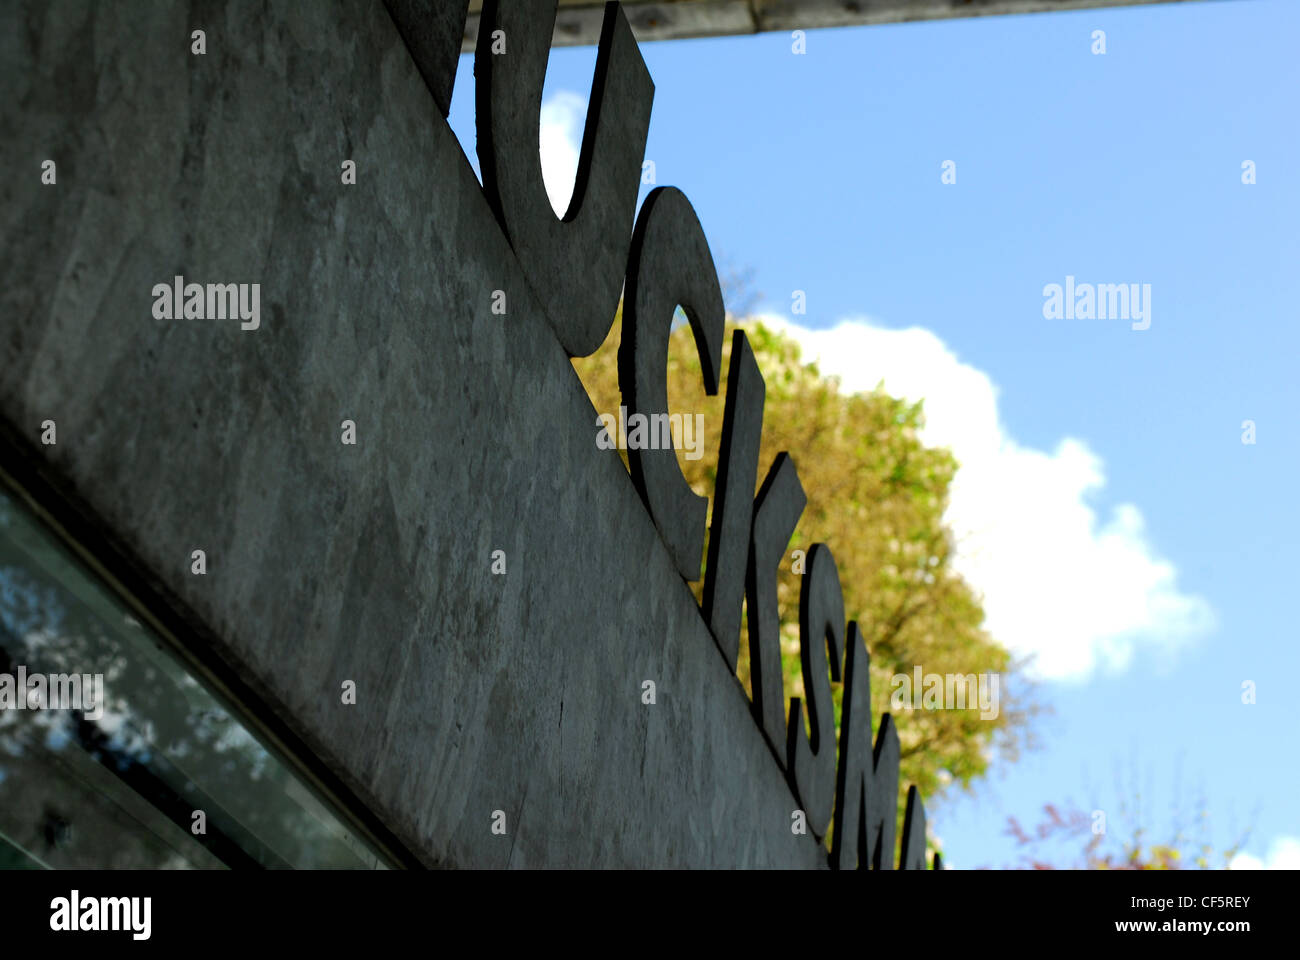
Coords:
1074,589
563,116
1283,854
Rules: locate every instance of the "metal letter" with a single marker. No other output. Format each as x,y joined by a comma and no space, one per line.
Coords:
575,265
777,509
811,765
432,31
669,266
866,787
913,854
733,508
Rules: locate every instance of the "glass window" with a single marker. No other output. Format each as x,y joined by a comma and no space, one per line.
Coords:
112,753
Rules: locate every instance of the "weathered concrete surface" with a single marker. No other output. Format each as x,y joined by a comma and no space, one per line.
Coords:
579,20
371,563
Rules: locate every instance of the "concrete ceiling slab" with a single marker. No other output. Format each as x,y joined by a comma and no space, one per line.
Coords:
579,21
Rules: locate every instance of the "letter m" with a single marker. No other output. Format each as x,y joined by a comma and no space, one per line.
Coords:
119,908
866,787
1116,295
65,690
223,301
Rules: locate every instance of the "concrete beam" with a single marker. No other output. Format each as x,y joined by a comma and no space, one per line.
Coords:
371,563
578,22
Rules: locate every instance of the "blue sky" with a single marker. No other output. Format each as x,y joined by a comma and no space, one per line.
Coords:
1120,529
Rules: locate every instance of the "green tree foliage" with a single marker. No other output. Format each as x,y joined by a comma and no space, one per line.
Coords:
876,497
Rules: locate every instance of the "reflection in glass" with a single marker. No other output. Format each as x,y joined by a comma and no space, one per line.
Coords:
119,787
